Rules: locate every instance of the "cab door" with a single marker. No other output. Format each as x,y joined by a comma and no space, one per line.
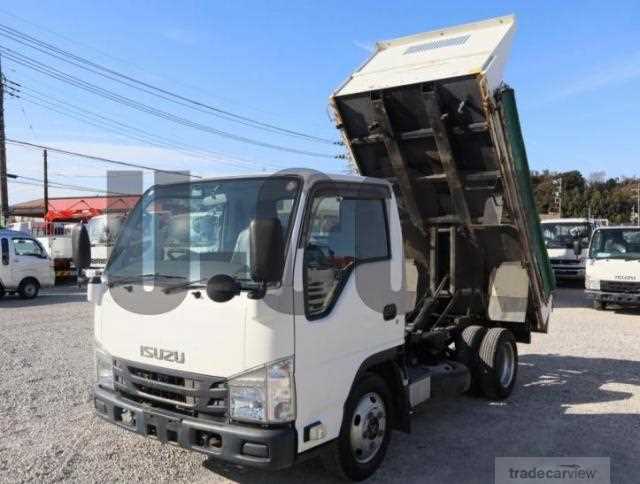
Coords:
347,310
6,272
30,260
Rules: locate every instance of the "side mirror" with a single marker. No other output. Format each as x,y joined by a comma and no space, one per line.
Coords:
577,247
221,288
266,256
81,247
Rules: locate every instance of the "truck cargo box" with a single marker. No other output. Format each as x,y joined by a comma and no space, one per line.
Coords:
431,114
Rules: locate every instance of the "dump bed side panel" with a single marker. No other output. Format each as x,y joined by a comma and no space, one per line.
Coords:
524,190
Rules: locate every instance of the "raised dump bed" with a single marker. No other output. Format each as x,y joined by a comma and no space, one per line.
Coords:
430,114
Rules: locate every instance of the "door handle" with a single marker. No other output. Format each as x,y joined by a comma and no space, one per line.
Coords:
390,311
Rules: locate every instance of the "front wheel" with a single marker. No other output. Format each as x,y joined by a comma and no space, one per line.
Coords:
365,432
28,289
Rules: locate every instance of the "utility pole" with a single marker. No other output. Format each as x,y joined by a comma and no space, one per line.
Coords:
46,183
4,194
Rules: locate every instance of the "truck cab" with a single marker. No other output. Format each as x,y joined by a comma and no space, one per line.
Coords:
102,231
25,266
567,242
613,267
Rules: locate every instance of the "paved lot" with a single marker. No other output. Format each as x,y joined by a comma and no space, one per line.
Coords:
578,395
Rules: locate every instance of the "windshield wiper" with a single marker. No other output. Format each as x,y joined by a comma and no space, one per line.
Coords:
131,280
186,285
203,282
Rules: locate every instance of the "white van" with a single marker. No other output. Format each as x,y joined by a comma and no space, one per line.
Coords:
25,265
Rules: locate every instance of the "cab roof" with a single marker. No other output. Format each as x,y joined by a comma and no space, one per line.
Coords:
12,233
566,221
308,176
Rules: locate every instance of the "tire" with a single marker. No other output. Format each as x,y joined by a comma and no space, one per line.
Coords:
599,305
368,412
2,291
29,289
467,353
498,363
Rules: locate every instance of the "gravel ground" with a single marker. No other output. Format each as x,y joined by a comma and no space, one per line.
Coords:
578,395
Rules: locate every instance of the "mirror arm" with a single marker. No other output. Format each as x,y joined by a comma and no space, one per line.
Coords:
259,292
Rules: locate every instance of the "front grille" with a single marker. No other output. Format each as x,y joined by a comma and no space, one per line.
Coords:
563,262
180,392
620,286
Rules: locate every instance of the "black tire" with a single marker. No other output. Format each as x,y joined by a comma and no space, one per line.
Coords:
341,459
599,305
498,363
467,353
29,288
2,291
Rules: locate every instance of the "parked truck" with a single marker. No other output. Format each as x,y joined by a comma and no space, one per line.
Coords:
613,267
567,242
327,308
102,231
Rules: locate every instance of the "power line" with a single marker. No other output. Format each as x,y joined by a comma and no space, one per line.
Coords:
46,101
39,183
95,158
86,64
56,184
145,108
120,60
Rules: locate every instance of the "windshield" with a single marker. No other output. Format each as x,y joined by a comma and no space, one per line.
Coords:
616,244
198,230
562,235
104,230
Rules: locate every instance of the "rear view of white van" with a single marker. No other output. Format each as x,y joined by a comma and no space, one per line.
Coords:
25,266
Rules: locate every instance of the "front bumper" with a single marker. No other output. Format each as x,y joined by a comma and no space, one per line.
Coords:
615,297
272,449
568,272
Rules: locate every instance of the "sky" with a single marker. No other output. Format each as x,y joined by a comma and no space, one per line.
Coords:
575,66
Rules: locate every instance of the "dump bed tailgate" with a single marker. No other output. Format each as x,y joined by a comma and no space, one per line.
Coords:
429,113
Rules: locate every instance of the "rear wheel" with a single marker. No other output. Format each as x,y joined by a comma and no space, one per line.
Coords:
28,289
467,348
599,305
365,432
498,363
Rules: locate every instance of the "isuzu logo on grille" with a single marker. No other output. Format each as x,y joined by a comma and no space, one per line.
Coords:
173,356
624,278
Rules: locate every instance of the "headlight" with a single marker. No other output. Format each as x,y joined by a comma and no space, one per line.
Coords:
592,284
104,368
264,395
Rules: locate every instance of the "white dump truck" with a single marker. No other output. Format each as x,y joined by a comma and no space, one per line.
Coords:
613,267
325,309
567,242
103,232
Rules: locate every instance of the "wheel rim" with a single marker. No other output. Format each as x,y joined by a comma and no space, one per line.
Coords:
368,427
508,366
30,290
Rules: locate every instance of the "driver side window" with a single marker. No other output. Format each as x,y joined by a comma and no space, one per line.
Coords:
27,247
342,231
